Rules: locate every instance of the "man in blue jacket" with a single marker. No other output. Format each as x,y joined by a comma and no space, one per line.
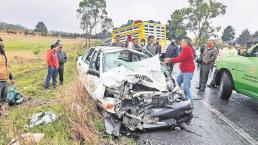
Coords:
62,58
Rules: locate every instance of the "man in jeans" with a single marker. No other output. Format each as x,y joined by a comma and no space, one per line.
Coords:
62,60
53,64
187,66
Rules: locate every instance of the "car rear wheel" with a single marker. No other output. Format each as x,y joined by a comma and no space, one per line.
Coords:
226,86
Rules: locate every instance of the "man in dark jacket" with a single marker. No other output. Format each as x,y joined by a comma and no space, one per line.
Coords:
118,42
152,47
62,58
172,52
187,66
208,58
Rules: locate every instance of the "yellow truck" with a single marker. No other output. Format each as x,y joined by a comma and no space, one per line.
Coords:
141,30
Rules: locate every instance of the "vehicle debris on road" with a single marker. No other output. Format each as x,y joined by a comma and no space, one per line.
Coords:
41,118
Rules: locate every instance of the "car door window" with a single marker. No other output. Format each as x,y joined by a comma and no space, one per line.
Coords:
255,52
89,56
95,61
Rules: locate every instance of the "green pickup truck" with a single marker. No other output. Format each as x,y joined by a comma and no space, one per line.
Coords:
239,73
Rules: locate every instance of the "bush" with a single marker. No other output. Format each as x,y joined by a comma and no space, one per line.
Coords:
36,51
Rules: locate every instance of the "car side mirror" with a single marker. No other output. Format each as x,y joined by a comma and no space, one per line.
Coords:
93,72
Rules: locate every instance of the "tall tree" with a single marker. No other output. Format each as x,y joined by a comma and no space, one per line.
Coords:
228,34
91,12
106,26
199,18
41,28
176,28
244,36
255,36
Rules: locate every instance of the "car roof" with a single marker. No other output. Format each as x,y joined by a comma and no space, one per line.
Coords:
106,49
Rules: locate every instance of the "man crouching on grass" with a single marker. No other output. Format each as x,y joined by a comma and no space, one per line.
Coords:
187,66
5,74
52,64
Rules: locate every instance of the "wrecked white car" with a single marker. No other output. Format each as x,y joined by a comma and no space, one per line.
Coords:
133,90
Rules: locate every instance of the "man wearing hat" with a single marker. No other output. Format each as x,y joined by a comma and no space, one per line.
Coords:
229,51
5,74
52,64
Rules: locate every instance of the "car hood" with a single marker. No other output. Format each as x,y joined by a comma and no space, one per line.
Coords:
146,72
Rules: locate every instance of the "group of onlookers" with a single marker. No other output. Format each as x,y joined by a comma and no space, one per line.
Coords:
56,58
152,47
185,55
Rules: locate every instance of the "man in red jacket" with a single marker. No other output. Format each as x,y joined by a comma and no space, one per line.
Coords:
52,64
187,66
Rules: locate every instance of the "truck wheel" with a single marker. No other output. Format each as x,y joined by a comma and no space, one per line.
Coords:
226,86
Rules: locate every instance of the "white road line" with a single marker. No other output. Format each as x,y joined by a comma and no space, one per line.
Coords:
239,130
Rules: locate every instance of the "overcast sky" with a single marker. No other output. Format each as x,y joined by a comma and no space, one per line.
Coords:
61,14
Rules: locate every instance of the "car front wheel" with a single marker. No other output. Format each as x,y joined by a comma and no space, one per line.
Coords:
226,86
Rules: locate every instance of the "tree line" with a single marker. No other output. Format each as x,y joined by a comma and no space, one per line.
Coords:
197,18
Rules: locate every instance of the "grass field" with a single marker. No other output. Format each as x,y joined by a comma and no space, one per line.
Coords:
29,69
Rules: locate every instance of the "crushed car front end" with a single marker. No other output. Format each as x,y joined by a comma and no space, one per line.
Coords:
138,96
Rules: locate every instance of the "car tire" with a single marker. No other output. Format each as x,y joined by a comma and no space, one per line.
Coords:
226,86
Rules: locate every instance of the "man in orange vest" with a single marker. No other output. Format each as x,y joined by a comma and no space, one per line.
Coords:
5,74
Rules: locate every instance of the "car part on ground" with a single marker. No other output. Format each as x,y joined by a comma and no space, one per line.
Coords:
41,118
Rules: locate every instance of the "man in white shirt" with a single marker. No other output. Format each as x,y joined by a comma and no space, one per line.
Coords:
229,51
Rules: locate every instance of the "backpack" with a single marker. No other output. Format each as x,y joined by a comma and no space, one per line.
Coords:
13,96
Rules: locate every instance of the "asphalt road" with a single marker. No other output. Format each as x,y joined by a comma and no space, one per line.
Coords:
215,122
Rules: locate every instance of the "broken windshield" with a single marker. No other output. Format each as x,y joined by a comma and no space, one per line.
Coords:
119,58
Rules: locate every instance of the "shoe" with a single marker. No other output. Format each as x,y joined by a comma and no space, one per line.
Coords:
202,89
211,86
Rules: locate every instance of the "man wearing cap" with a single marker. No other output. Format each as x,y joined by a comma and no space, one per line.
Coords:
5,74
229,51
172,52
52,64
62,58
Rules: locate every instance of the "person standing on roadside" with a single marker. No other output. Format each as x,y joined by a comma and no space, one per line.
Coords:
187,66
172,52
62,58
118,42
208,59
52,64
143,43
229,51
159,46
136,46
152,47
5,75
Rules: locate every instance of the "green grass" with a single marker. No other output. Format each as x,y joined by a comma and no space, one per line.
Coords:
30,75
